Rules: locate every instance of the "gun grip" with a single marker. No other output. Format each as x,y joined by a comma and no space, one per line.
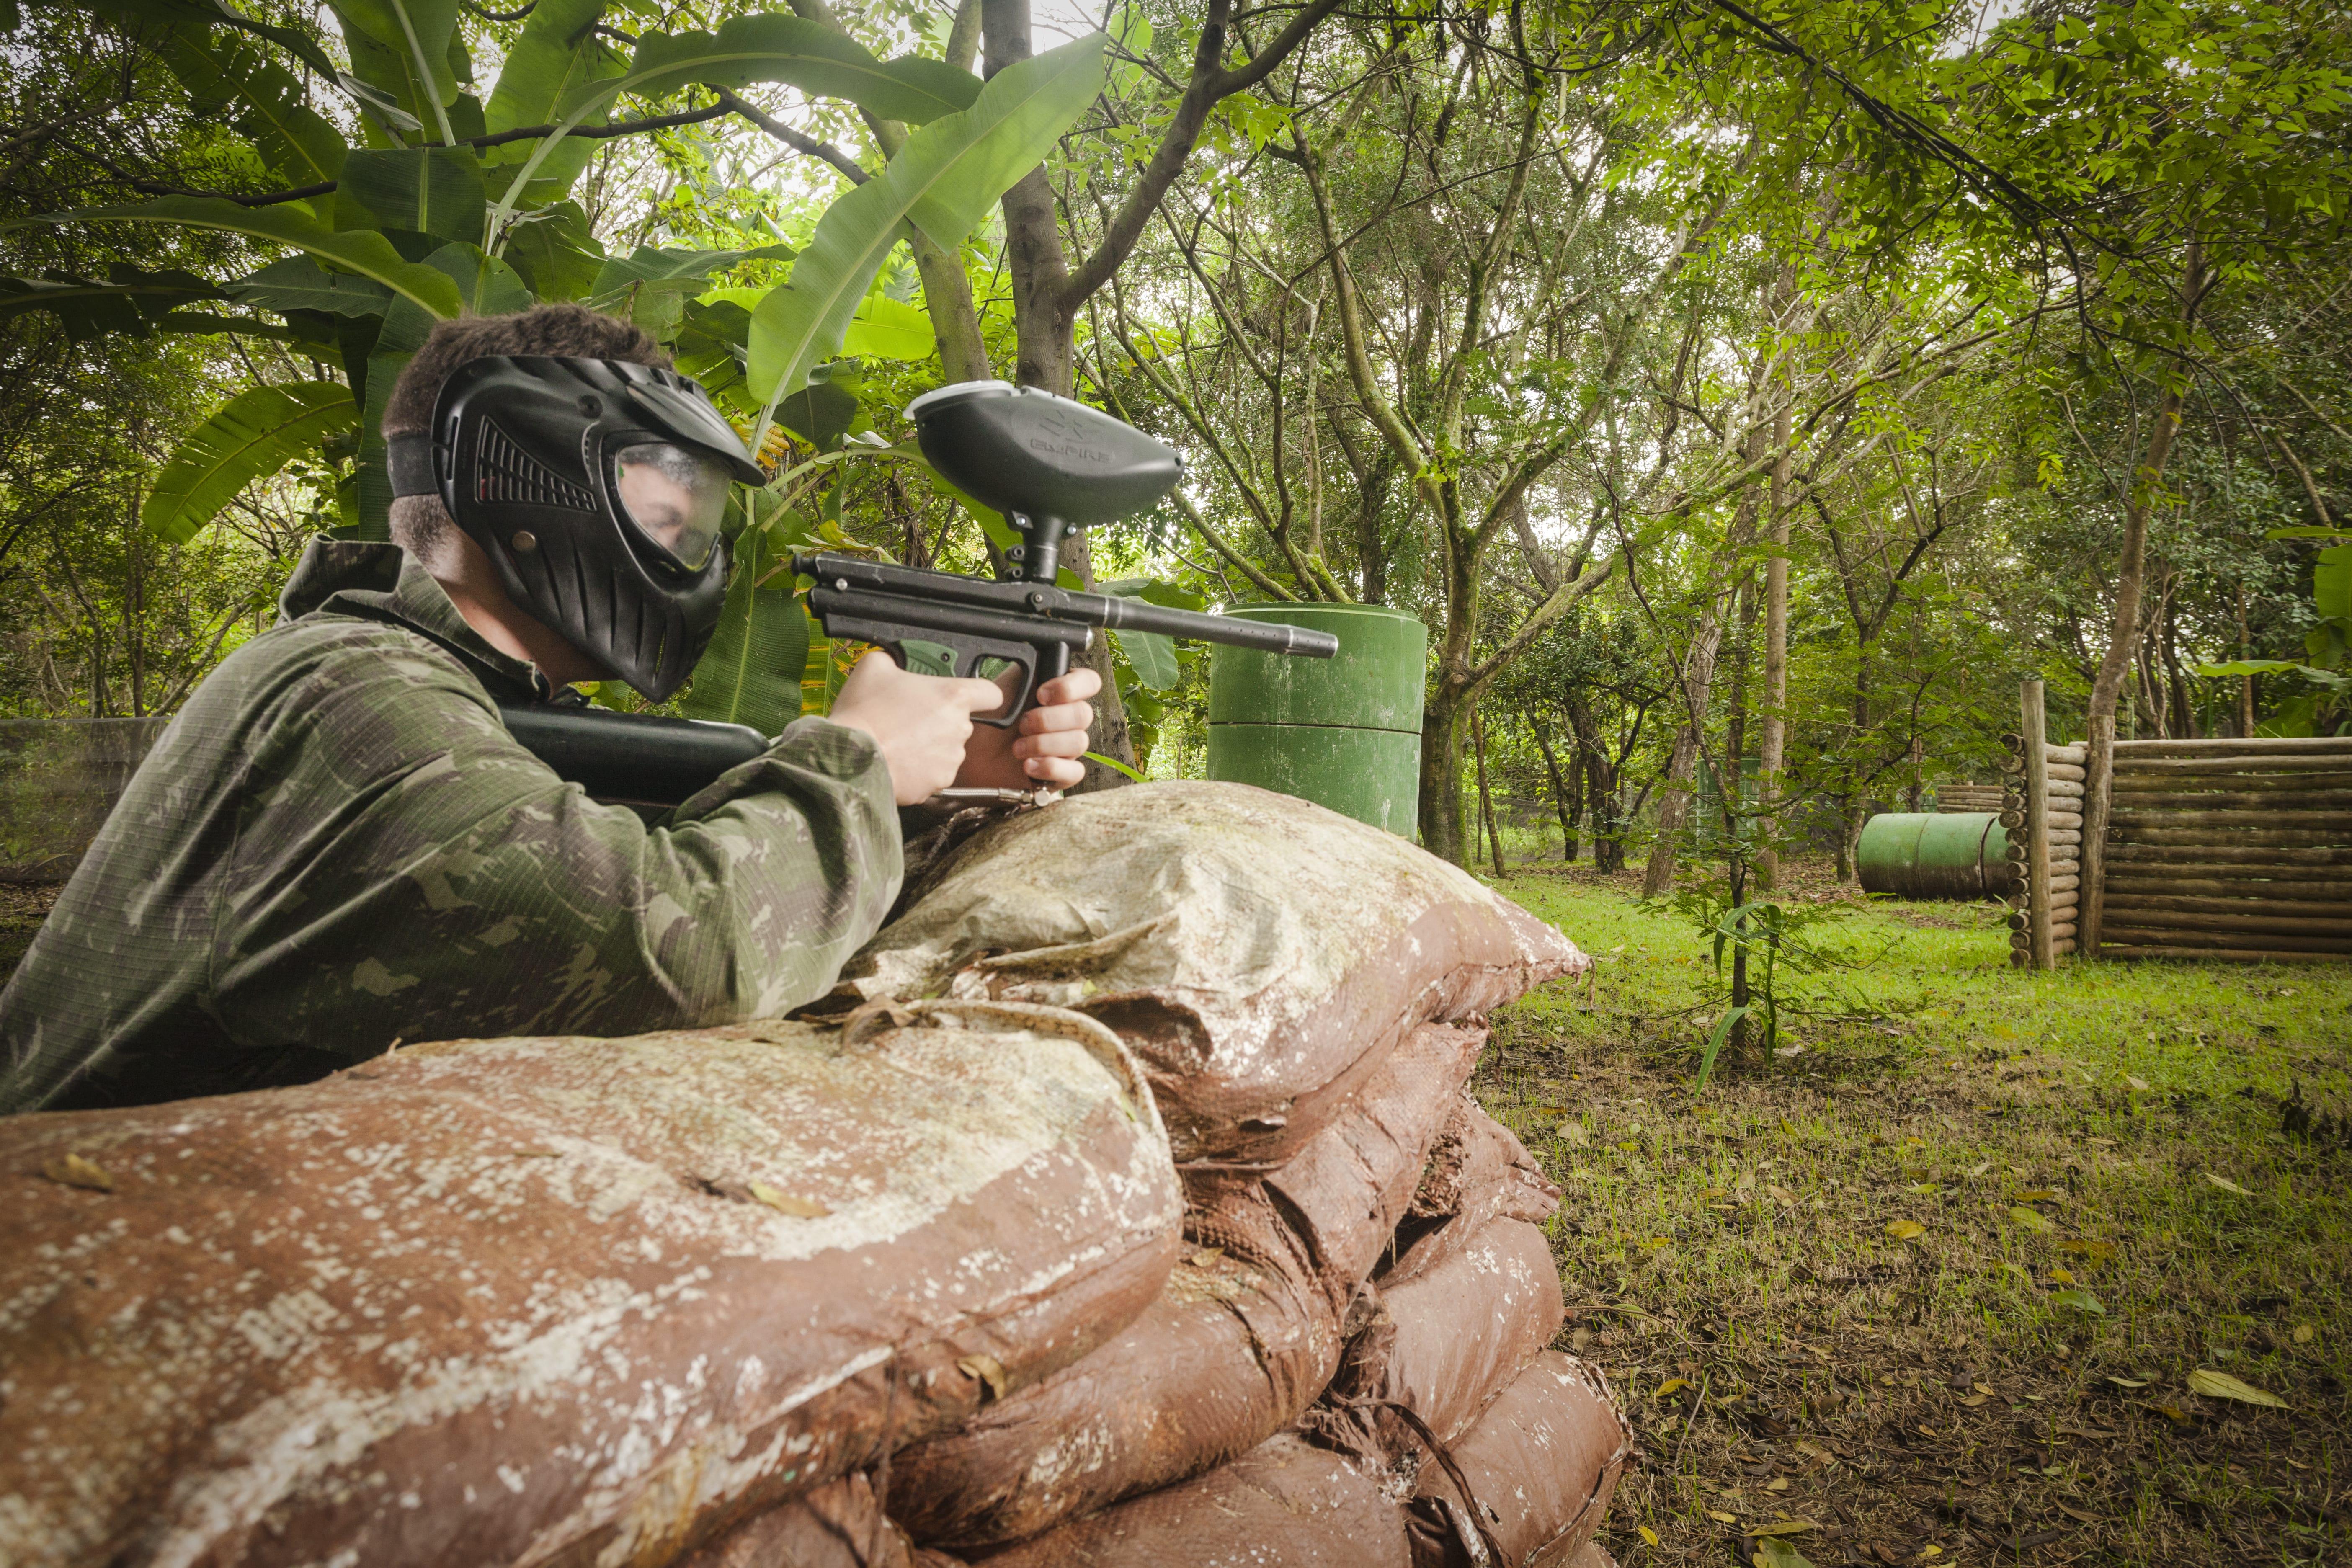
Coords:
968,657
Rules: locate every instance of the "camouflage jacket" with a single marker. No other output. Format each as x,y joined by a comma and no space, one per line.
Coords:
336,845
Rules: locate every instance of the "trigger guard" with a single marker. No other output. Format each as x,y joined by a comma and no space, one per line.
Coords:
1019,702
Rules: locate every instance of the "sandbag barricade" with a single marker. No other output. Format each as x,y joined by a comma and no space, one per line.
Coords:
1124,1201
1261,956
574,1299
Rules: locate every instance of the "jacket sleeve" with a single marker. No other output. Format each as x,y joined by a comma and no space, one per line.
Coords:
405,870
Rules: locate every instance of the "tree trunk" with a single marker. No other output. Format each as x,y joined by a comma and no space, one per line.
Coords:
1772,742
1485,801
1441,779
1675,798
1600,785
1565,799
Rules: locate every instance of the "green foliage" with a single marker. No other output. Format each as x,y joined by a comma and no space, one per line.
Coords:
753,672
942,181
255,435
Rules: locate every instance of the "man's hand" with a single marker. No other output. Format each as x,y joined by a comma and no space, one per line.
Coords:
1043,747
922,723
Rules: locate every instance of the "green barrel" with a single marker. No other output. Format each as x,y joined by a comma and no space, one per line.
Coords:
1934,854
1343,731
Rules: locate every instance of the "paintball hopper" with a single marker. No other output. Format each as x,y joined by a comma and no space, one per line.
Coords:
1051,465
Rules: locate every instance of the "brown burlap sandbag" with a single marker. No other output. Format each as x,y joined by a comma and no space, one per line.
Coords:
1540,1463
1260,953
1243,1337
558,1300
838,1525
1448,1341
1478,1171
1285,1504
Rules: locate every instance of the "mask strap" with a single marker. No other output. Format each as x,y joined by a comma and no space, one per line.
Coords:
409,459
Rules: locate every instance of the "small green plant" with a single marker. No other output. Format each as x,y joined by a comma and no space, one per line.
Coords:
1747,930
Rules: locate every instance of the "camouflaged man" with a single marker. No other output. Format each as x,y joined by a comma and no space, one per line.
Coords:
337,846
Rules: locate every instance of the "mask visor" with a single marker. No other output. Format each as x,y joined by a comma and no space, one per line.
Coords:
674,497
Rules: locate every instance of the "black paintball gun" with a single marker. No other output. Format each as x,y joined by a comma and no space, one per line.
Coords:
1051,466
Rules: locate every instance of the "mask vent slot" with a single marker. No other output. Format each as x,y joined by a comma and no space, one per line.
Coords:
506,475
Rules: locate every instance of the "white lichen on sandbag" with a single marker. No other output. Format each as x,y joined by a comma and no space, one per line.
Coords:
557,1300
1258,952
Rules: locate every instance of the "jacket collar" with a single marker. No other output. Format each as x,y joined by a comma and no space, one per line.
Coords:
380,582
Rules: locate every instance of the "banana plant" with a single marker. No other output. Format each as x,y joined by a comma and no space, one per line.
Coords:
452,203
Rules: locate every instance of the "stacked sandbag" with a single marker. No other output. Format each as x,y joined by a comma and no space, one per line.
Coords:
524,1300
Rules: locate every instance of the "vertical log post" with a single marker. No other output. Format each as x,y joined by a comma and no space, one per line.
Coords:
2098,788
2037,827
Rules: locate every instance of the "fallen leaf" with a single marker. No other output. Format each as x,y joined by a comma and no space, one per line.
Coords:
2222,1385
987,1370
784,1203
1671,1384
1721,1518
1777,1484
1905,1229
2227,1186
2126,1382
1771,1552
2029,1219
2061,1276
2020,1273
1923,1189
2081,1300
1781,1194
2178,1417
1931,1550
2304,1334
1575,1134
2076,1513
2039,1195
1646,1533
1206,1255
1979,1169
2137,1086
1926,1431
2096,1251
1785,1526
1973,1400
2098,1433
73,1170
1816,1451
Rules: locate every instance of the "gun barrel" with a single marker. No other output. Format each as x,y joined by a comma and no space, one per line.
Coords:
844,574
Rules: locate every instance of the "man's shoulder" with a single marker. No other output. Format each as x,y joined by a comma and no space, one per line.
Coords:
324,653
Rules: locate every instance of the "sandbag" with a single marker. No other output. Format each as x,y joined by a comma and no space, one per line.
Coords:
1451,1339
1540,1463
1285,1504
1477,1173
838,1525
1261,954
1244,1336
562,1299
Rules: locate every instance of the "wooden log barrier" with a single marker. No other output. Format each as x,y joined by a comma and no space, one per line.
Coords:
2317,859
2036,733
2164,936
2230,882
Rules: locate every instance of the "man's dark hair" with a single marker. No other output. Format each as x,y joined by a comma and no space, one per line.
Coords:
419,524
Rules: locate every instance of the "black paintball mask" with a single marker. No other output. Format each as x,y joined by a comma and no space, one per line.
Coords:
597,489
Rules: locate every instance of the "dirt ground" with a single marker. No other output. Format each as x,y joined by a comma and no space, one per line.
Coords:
1952,1279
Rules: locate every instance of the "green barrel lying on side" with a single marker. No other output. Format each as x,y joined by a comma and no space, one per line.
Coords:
1344,732
1935,855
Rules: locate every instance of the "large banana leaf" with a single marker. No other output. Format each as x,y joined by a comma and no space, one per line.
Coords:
265,103
130,301
426,190
555,251
944,178
298,283
358,250
752,673
418,32
557,56
771,47
883,327
201,16
254,434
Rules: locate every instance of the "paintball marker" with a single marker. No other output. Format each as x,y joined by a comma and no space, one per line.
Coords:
1052,467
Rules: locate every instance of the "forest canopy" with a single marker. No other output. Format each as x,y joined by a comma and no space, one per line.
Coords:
1736,392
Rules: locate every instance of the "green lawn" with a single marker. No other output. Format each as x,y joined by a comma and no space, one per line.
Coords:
2106,1199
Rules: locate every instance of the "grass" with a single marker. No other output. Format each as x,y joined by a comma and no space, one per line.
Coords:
2011,1382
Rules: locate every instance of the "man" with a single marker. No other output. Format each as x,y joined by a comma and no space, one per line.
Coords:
337,846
